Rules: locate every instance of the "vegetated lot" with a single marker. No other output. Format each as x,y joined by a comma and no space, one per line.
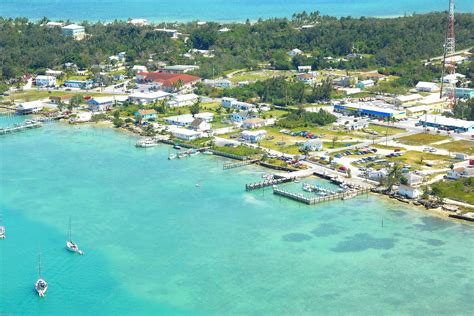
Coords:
381,146
33,95
383,130
239,150
421,139
460,190
461,146
258,75
416,158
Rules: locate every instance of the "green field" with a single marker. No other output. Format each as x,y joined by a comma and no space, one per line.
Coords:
381,146
461,146
416,158
421,139
32,95
243,151
460,190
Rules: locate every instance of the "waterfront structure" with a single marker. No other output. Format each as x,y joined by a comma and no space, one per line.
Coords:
143,98
75,31
169,82
79,84
45,81
180,100
253,136
237,105
364,84
30,107
365,109
148,114
312,145
187,119
409,191
424,86
186,134
447,123
414,179
100,104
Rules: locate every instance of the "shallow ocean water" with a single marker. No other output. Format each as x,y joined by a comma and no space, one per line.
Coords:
154,242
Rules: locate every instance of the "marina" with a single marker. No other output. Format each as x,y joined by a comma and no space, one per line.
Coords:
299,197
20,127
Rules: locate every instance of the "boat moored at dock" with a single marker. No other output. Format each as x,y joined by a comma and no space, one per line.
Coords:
146,143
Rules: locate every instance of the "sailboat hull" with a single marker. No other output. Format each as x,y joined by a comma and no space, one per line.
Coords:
41,287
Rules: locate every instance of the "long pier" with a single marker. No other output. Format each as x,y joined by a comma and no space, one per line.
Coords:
232,165
19,128
299,197
266,183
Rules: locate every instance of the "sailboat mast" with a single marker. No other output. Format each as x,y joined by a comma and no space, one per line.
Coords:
69,234
39,265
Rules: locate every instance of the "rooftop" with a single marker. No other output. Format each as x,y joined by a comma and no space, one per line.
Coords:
446,121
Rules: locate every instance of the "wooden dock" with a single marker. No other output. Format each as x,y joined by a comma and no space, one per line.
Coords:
232,165
19,128
266,183
299,197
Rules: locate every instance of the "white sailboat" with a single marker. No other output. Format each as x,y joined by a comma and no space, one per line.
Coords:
41,286
70,245
2,228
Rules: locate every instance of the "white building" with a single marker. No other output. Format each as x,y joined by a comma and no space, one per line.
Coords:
253,123
147,98
138,22
237,105
302,69
54,73
360,124
295,52
424,86
453,78
139,68
377,174
200,125
180,100
409,191
100,104
52,24
220,83
401,99
30,107
75,31
187,119
45,81
462,172
175,34
414,179
312,145
186,134
306,78
443,122
253,136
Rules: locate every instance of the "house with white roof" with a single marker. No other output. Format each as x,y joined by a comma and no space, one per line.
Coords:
253,136
139,68
199,125
312,145
237,105
187,119
254,123
180,100
30,107
219,83
401,99
413,179
138,22
453,78
100,104
449,123
295,52
148,98
461,172
54,73
75,31
409,191
303,69
186,134
424,86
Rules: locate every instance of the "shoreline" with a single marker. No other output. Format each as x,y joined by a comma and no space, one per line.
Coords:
439,213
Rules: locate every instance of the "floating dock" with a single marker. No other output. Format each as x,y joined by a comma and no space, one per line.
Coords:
266,183
299,197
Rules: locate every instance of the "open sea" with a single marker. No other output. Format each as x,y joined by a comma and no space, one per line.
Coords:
155,243
215,10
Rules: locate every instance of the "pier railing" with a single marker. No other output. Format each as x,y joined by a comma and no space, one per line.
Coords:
19,128
266,183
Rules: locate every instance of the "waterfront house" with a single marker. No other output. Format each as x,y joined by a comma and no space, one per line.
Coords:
186,134
253,123
376,175
409,191
30,107
75,31
180,100
312,145
413,179
253,136
147,98
364,84
424,86
45,81
146,114
100,104
187,119
169,82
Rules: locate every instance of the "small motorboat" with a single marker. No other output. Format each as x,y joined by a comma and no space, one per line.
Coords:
2,232
41,286
146,143
70,245
177,147
172,156
207,152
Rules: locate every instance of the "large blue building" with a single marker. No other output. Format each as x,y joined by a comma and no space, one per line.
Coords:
363,109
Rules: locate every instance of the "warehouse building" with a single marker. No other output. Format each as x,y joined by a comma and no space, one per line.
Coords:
446,123
373,111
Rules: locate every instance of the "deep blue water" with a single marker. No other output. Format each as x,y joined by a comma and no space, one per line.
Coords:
215,10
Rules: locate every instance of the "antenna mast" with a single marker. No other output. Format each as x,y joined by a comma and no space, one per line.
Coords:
449,63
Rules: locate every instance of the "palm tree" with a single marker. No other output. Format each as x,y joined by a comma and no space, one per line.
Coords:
394,176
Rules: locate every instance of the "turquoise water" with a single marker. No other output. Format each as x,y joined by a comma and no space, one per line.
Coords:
215,10
156,244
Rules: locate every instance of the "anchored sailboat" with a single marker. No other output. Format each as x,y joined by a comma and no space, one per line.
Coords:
41,286
70,245
2,228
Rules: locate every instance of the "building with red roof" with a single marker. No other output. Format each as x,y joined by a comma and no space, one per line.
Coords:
169,82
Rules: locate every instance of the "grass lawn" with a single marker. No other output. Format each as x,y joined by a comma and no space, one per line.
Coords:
460,190
461,146
273,114
381,146
241,150
419,159
259,75
32,95
421,139
381,130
